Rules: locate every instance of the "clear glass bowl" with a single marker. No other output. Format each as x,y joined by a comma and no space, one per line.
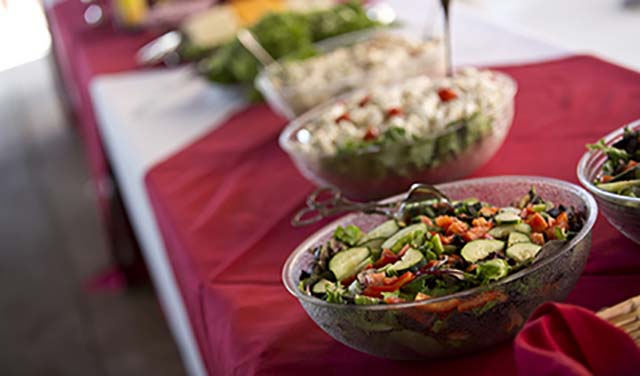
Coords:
291,100
458,323
622,212
367,175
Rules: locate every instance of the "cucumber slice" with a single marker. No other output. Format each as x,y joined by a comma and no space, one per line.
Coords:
539,208
481,248
507,218
402,237
521,252
510,209
413,259
503,231
517,237
347,263
382,231
437,244
321,286
373,244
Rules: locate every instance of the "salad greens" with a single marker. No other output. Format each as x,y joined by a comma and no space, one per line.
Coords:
441,248
620,173
393,152
284,34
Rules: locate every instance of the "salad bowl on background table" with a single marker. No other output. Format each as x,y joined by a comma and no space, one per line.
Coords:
293,98
380,170
622,212
435,327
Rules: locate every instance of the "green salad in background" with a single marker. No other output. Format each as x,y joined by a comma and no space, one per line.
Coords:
283,34
620,172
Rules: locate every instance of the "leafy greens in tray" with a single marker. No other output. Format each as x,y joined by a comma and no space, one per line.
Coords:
443,248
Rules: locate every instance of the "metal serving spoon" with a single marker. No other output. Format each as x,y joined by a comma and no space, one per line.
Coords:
328,201
249,41
447,37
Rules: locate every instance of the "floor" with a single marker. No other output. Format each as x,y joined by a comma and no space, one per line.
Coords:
52,244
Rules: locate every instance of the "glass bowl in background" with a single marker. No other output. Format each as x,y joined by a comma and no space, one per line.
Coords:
291,100
369,174
622,212
462,322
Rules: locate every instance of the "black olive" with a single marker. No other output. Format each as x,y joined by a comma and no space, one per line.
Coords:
457,240
554,212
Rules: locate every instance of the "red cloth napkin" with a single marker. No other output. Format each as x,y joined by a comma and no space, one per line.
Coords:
223,205
566,340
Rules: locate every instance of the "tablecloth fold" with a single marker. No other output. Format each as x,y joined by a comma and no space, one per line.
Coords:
567,340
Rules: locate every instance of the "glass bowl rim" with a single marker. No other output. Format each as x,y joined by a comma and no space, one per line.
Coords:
590,154
592,213
299,122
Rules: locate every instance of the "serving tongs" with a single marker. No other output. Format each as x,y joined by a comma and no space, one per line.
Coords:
328,201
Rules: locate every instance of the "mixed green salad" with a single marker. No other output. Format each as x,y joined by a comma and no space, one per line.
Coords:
620,173
422,123
290,34
441,248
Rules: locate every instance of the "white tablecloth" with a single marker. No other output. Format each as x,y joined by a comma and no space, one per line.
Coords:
145,117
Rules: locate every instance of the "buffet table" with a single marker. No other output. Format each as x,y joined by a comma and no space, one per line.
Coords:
210,194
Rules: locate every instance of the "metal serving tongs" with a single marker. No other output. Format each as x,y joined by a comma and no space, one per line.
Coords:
328,201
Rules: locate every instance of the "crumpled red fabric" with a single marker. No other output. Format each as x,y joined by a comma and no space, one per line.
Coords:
567,340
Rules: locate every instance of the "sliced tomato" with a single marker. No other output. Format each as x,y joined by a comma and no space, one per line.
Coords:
475,233
426,220
387,257
371,134
537,222
457,227
375,279
482,222
444,221
348,281
395,111
606,178
631,164
562,221
342,117
376,291
404,250
488,211
447,94
445,240
537,238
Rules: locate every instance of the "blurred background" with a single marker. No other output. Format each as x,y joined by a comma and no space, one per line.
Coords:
64,309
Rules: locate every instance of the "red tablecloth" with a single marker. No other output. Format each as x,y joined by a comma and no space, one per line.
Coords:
224,204
83,52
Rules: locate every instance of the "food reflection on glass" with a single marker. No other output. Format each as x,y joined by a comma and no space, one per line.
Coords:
444,248
620,172
349,62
